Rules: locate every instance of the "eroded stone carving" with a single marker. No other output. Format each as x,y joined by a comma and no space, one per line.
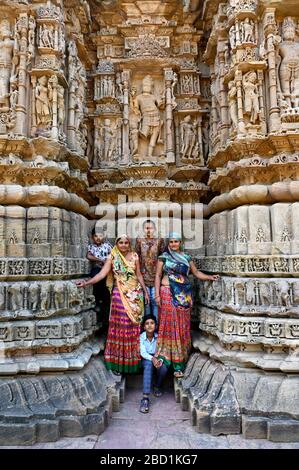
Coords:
289,66
151,123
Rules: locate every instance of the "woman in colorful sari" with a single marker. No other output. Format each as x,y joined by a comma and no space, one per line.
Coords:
174,298
122,351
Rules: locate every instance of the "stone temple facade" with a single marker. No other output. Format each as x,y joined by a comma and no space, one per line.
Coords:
169,101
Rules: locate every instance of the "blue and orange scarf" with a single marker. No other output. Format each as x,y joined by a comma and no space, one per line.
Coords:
176,266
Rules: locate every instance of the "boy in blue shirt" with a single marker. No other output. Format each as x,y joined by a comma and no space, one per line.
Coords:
148,342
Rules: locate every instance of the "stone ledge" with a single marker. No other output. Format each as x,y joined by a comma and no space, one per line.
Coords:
223,399
74,359
47,408
270,357
42,268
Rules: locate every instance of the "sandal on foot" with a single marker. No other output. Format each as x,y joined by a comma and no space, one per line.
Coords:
178,374
144,405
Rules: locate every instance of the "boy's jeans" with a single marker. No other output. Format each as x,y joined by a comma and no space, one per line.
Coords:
148,369
151,307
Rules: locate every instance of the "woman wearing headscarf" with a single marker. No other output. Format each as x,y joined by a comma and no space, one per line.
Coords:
174,298
122,351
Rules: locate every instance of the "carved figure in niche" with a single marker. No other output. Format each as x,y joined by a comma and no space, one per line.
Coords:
22,332
60,106
104,86
239,290
31,39
260,235
232,37
283,294
247,30
265,294
250,292
111,87
46,36
6,58
134,120
45,296
36,237
232,100
151,123
73,294
120,88
43,97
109,140
16,296
286,235
58,296
209,292
14,93
217,286
13,238
186,84
33,291
98,148
188,137
289,66
251,96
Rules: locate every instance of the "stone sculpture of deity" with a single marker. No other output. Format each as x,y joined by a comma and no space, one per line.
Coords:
251,97
247,30
188,137
289,66
43,96
151,123
106,142
6,54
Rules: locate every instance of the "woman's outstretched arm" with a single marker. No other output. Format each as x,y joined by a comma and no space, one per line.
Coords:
202,276
98,277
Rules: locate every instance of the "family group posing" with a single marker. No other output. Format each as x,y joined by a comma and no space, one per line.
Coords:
154,278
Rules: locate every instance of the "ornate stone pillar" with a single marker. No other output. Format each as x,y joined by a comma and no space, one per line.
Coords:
170,156
54,83
21,111
270,30
125,127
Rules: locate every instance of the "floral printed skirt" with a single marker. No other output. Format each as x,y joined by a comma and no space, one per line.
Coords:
174,337
122,351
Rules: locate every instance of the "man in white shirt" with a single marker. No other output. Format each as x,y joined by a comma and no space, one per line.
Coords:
148,343
98,252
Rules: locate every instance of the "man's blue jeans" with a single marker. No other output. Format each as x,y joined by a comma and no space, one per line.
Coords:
151,307
148,370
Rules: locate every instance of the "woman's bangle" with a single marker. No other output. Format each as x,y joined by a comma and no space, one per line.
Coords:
156,296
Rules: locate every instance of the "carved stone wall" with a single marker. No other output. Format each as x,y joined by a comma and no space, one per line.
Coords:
166,101
248,319
46,323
